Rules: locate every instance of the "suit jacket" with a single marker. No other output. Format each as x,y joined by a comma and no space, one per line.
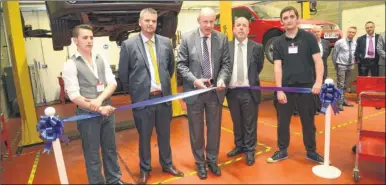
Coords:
134,70
255,63
326,53
190,58
360,51
381,49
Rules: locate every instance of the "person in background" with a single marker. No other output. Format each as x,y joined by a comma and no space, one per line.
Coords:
365,52
343,60
382,55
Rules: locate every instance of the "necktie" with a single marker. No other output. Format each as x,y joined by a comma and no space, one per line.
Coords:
370,50
349,52
205,65
153,61
240,64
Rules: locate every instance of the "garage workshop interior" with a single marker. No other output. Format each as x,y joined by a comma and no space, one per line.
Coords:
193,92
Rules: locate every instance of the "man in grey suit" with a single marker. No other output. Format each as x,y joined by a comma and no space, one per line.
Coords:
381,53
203,58
145,69
248,61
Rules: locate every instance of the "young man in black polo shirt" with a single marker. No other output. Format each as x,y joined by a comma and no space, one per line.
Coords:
295,55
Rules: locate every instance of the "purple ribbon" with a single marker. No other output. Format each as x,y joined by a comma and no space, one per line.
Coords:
50,128
329,95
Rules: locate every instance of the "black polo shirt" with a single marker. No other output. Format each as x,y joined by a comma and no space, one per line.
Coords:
296,57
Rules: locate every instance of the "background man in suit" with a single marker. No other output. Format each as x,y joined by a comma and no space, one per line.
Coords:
89,83
365,53
324,47
204,57
145,67
248,61
382,54
343,59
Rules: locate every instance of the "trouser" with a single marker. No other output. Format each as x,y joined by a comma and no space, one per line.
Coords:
209,104
99,132
382,70
243,110
306,108
343,79
145,119
368,65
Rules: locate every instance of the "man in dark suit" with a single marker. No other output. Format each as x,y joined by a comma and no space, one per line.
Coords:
203,58
365,53
145,66
248,61
324,47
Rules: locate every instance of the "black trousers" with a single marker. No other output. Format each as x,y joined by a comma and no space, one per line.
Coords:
145,119
307,109
368,65
243,110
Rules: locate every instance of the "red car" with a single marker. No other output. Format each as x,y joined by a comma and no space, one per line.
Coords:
265,25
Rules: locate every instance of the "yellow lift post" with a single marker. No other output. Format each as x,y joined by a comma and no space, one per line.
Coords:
305,6
20,71
226,24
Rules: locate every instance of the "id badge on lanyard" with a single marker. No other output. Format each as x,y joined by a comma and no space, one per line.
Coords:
292,49
100,87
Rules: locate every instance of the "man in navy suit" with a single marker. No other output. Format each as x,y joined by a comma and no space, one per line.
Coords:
365,53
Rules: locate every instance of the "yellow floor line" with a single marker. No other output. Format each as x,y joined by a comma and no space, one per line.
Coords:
267,149
34,167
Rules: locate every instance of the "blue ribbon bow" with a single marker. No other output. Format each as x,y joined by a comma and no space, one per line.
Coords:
50,128
329,95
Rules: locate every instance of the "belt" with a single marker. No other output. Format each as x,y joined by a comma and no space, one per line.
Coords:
153,93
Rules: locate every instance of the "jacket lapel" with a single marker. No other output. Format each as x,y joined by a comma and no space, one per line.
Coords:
198,45
214,45
232,51
249,52
158,49
141,48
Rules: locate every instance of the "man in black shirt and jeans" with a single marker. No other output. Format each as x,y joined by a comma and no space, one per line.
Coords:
296,55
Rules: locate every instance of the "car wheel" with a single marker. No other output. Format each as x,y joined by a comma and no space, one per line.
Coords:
61,33
268,49
167,25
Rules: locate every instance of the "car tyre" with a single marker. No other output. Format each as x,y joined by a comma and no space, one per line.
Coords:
167,25
61,33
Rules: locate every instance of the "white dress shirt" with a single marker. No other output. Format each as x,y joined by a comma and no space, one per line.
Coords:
209,44
234,82
70,74
367,45
153,85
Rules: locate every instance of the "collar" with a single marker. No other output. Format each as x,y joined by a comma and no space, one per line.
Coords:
77,55
371,35
202,35
298,34
145,39
348,40
245,42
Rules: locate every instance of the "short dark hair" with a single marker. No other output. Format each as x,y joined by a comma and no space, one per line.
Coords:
368,22
75,31
288,9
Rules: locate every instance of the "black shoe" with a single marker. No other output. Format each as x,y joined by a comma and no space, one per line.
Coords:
296,113
201,172
278,156
143,177
347,104
378,108
250,158
235,151
214,169
313,156
173,171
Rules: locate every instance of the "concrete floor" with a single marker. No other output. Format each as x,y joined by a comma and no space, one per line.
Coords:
31,166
